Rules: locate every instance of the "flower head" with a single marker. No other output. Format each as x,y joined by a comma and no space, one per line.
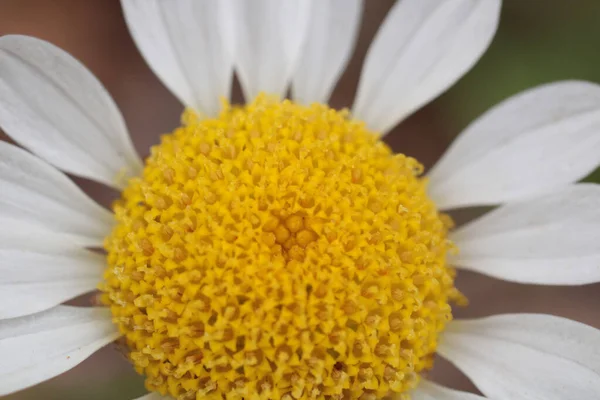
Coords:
279,249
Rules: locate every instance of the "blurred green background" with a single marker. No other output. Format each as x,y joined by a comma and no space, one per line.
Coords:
538,41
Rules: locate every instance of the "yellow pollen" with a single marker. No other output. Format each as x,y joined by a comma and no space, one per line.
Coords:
278,252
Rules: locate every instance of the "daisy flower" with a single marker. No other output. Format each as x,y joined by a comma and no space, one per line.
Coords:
278,249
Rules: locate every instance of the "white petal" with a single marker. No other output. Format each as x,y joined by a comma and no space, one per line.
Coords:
35,192
40,346
153,396
532,143
188,44
422,48
550,240
51,104
40,269
328,47
430,391
526,356
269,35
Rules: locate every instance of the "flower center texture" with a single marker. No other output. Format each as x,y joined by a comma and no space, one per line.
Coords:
278,251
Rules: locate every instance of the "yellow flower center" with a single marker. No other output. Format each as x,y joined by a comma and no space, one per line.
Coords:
278,252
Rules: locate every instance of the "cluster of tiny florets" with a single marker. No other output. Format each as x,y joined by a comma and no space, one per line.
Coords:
278,252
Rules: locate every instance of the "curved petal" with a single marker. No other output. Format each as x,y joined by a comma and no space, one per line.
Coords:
549,240
40,269
35,192
153,396
422,48
51,104
269,35
40,346
188,44
328,47
526,356
430,391
532,143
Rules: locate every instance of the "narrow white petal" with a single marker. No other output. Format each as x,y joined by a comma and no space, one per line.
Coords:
40,346
526,356
153,396
269,35
422,48
40,269
550,240
532,143
51,104
188,44
35,192
328,47
430,391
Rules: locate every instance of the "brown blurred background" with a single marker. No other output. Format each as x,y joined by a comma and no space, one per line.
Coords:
538,41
